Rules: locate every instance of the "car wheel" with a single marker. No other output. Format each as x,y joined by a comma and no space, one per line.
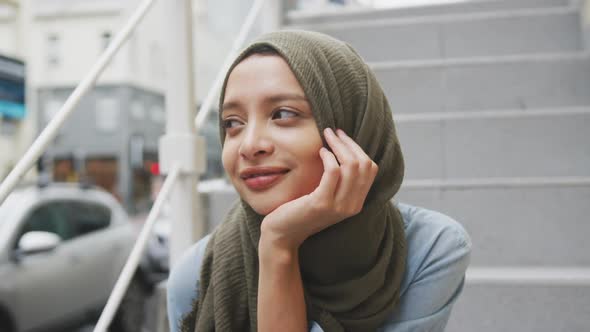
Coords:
5,322
131,314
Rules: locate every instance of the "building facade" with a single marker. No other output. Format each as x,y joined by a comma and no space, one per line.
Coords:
111,138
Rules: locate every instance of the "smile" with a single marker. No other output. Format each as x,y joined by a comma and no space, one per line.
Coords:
263,178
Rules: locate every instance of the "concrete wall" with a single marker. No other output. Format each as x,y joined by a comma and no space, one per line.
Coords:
8,31
79,41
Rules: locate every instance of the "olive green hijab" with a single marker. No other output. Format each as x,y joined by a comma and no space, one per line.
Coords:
351,271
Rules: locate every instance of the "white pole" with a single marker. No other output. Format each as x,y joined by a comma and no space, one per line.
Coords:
272,15
40,144
180,139
136,253
238,42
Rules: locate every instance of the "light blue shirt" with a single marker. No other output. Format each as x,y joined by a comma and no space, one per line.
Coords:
438,255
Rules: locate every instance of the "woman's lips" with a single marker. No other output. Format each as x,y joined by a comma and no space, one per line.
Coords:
263,181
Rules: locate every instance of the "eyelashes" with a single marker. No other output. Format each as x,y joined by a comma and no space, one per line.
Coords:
230,123
280,115
283,113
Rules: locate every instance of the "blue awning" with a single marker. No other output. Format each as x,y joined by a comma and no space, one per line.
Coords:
12,110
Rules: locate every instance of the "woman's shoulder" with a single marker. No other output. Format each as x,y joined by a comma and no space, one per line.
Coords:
431,233
439,250
189,263
182,285
185,272
419,221
192,258
433,238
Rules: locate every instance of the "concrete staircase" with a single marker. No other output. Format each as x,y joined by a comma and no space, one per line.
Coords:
491,100
492,105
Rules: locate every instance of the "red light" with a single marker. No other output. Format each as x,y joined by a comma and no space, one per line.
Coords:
155,169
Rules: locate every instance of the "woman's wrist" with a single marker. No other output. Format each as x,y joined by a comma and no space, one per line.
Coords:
281,302
280,235
277,248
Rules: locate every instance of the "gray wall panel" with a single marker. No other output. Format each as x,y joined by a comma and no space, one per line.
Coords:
490,84
423,147
461,7
491,308
557,31
517,226
515,147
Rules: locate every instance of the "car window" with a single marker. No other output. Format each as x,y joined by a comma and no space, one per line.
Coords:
49,217
88,217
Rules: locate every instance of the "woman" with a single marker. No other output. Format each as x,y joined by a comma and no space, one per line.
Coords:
315,241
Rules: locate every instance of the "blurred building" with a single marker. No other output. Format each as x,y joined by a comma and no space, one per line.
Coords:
12,109
111,138
14,117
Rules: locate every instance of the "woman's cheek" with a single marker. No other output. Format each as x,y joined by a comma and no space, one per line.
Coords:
228,157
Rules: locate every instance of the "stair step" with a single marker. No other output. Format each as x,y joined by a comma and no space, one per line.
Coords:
512,144
507,82
504,33
528,275
352,14
495,183
523,308
544,224
512,222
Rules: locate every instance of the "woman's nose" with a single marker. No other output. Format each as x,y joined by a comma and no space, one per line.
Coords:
256,143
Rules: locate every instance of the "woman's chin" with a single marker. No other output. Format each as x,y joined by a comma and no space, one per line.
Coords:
266,204
264,209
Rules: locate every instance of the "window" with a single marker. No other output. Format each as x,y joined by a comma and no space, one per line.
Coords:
50,217
89,217
53,50
157,114
67,219
137,110
107,114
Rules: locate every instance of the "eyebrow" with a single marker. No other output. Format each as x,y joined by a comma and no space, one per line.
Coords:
287,96
272,99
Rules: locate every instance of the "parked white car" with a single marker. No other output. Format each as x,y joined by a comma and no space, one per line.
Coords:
62,248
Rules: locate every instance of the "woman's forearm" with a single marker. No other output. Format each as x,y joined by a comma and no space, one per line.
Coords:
281,303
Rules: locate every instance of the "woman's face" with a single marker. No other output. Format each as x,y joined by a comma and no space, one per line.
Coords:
272,142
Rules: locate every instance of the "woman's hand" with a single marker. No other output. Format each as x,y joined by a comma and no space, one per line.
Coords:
347,178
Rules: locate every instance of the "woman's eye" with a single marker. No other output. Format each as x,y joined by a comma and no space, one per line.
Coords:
283,114
230,123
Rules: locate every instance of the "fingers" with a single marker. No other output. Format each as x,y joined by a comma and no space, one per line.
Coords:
352,145
331,175
366,165
350,154
357,170
348,163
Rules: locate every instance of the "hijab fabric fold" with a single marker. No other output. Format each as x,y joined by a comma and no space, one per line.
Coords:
351,271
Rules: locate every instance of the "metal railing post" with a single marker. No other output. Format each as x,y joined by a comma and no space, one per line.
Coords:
272,15
110,309
210,98
180,143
